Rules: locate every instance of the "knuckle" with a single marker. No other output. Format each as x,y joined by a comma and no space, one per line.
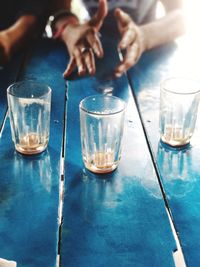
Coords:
128,64
91,31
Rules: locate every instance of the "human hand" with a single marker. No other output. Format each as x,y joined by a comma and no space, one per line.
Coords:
5,50
82,41
132,40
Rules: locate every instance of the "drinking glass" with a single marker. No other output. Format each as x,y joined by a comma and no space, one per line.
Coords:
102,126
179,101
29,105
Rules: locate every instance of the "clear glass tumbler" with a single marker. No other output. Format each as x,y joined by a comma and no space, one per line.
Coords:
179,101
102,126
29,105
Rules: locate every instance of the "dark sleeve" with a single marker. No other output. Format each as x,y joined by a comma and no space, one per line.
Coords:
37,8
32,7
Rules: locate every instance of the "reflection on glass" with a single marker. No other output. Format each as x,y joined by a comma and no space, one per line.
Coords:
37,167
105,86
98,193
175,166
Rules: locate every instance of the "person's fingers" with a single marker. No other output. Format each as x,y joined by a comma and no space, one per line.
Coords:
130,59
89,61
128,37
122,18
84,60
95,43
70,67
98,18
126,28
79,60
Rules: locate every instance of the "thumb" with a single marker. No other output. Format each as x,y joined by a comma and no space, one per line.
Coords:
122,18
98,18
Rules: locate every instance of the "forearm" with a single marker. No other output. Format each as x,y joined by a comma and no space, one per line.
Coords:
163,30
21,31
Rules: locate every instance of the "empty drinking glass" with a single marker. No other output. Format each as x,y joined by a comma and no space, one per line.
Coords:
102,125
29,105
179,101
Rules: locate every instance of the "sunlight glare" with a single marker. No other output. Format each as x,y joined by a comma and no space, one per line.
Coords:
187,59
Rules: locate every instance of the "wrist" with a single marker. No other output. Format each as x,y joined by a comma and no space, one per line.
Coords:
68,32
61,29
145,37
58,22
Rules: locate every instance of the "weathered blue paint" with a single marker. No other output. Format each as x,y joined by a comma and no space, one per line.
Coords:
178,168
29,186
28,206
109,220
117,219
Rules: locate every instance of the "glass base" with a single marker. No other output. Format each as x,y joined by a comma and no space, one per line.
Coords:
31,145
104,170
175,145
101,162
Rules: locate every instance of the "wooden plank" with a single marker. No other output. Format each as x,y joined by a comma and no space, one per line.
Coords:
179,169
29,199
117,219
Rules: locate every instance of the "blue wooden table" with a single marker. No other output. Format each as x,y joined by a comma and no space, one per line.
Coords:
30,186
178,169
53,212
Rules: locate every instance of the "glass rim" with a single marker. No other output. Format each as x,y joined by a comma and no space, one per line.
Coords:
97,113
164,82
49,90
